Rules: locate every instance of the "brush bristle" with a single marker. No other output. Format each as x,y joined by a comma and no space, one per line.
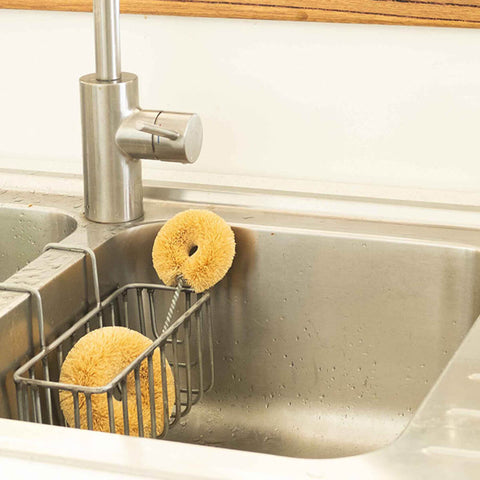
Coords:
174,251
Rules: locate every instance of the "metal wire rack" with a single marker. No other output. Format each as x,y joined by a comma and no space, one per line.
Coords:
187,344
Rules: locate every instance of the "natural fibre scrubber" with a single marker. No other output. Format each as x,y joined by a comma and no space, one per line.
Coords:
95,360
196,247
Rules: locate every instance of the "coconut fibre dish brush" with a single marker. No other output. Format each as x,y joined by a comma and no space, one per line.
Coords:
196,248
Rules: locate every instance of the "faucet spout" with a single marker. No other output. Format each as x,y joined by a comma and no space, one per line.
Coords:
107,39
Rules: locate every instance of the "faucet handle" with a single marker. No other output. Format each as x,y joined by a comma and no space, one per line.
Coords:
186,147
171,136
156,130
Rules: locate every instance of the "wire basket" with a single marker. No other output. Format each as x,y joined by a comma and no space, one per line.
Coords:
187,344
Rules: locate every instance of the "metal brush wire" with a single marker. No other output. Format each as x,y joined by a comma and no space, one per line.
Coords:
173,304
187,343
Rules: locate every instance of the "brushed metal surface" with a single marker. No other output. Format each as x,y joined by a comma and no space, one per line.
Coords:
112,179
325,345
24,233
107,39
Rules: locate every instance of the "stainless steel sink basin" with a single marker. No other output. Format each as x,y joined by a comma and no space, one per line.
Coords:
325,343
333,338
25,231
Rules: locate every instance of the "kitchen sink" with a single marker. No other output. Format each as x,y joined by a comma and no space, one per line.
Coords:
334,338
25,231
325,344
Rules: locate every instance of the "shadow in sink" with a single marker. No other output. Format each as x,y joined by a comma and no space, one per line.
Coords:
25,231
325,343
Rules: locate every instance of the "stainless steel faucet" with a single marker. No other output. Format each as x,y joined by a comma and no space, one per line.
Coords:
117,133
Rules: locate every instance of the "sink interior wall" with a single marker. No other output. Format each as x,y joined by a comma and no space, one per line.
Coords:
324,345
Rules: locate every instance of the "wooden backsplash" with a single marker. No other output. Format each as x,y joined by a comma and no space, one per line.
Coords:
456,13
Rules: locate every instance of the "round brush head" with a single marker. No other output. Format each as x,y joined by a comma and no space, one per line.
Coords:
196,245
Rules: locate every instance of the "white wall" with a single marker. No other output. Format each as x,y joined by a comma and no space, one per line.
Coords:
342,103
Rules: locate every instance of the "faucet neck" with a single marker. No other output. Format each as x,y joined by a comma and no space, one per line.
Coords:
107,39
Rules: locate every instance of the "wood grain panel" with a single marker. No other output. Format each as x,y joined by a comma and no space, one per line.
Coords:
457,13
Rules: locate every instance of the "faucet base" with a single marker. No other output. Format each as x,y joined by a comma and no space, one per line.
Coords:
112,178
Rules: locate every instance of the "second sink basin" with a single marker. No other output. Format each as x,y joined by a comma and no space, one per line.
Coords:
25,231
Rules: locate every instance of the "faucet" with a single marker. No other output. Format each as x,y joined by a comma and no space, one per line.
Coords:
117,133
